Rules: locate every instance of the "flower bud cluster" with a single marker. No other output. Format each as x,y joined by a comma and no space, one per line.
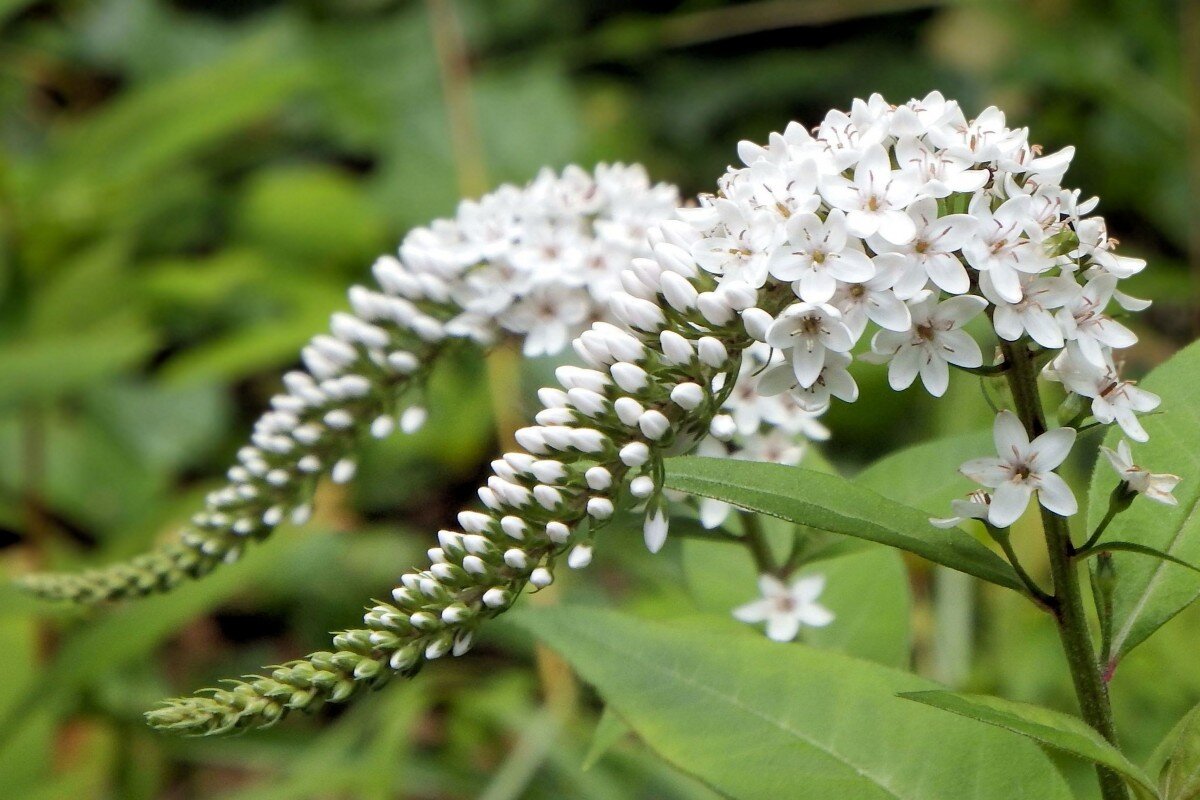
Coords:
537,262
654,387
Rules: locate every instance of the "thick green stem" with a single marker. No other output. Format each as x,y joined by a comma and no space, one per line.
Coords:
1067,607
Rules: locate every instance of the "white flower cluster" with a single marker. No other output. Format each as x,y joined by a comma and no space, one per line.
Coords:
539,261
918,220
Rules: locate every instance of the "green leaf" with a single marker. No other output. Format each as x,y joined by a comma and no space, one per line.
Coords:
1178,759
926,476
1134,547
609,730
1150,592
49,366
753,718
830,503
1052,728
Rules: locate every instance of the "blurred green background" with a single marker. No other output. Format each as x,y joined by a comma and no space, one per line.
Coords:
186,190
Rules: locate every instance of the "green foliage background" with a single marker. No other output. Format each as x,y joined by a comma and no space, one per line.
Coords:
186,190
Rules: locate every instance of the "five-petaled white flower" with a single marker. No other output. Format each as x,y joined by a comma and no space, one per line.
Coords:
932,253
1154,485
786,608
934,341
808,332
875,201
1022,468
817,255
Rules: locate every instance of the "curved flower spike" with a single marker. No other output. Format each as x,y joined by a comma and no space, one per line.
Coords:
536,262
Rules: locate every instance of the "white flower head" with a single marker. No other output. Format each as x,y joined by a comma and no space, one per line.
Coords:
1155,486
934,342
785,608
1022,468
876,199
817,255
808,332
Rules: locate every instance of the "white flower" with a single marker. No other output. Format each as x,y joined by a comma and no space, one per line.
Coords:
786,608
1032,313
873,300
834,380
1113,400
1002,245
941,172
932,253
817,255
1022,468
876,199
1155,486
1086,324
744,249
934,341
976,506
808,332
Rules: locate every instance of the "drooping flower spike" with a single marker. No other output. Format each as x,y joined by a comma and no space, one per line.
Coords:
536,263
814,218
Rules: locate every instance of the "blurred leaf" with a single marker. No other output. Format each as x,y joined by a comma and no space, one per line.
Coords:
867,591
1177,759
1069,734
833,504
609,730
52,365
753,718
166,427
926,475
1149,592
160,124
310,214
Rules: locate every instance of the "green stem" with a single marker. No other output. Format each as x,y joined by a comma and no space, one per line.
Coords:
756,542
1090,689
1100,529
1036,593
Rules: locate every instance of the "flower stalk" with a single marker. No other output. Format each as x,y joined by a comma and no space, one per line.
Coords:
1066,604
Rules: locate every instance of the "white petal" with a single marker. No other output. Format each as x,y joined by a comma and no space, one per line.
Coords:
1009,434
888,311
958,348
904,367
1008,503
935,374
808,589
756,611
783,627
1055,495
1050,449
948,273
814,615
989,472
897,227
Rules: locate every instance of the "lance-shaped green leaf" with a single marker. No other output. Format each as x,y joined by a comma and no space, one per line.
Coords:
1054,729
1177,759
1149,591
834,504
754,718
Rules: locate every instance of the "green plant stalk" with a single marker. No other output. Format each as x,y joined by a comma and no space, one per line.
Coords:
1067,606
